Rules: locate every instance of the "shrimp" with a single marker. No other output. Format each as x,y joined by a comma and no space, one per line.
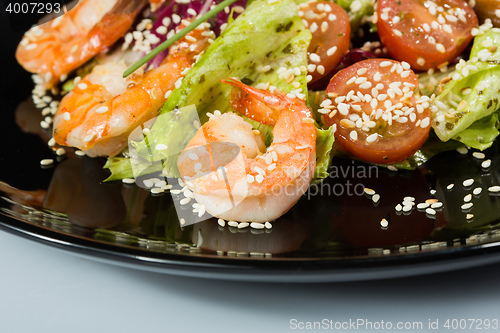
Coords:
257,184
54,49
104,108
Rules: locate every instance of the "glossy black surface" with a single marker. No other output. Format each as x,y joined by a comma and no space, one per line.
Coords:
332,234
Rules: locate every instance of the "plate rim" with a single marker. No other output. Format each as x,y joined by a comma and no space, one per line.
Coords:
276,269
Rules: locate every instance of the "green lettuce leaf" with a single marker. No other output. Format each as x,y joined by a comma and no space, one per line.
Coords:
324,153
473,92
482,133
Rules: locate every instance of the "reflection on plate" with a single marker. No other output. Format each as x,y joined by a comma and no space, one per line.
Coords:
334,233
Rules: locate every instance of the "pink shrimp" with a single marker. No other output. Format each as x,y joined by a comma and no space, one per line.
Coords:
104,108
252,184
55,48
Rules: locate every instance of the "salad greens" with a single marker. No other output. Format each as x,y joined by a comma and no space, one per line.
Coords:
253,47
267,37
471,95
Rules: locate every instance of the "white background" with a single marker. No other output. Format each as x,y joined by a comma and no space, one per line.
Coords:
43,289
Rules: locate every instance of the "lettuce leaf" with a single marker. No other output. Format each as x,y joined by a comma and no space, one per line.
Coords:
482,133
472,94
324,153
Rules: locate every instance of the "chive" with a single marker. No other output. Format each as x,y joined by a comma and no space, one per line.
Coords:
178,36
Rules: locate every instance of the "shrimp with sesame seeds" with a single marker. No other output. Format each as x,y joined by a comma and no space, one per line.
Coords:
104,107
254,183
60,46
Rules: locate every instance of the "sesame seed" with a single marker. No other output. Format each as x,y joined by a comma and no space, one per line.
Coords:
243,225
331,51
440,47
369,191
468,197
449,187
399,207
430,211
462,150
384,223
478,155
102,109
259,178
407,208
66,116
469,216
477,191
88,138
376,198
82,86
386,63
494,189
423,205
185,201
486,164
425,122
466,206
157,190
324,26
372,137
314,57
233,224
46,161
437,205
397,32
257,225
356,6
268,225
221,222
353,135
468,182
60,151
161,146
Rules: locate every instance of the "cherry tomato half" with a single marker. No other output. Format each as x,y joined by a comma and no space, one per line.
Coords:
425,33
331,35
377,109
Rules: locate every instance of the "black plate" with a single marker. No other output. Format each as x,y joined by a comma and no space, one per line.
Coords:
332,234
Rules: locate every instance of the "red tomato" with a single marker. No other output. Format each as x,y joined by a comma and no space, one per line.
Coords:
425,33
331,35
377,109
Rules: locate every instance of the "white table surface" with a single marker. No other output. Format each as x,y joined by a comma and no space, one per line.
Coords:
44,289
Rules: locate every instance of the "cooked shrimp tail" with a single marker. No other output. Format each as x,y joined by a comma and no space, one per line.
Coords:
255,183
54,49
